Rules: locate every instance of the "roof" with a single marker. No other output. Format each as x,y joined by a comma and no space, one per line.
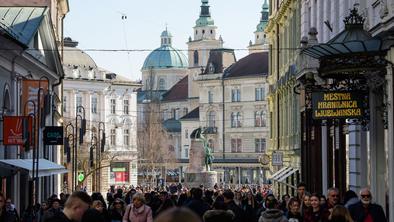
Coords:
172,125
145,96
251,65
218,59
165,57
180,91
194,114
76,57
21,23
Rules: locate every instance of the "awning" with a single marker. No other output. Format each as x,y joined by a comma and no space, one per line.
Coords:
276,175
286,175
45,167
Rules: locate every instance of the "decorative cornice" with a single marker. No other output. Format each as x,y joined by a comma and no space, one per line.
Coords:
279,14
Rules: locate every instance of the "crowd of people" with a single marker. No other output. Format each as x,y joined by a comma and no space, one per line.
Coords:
176,203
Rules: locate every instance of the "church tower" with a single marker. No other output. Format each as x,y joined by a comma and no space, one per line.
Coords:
260,43
204,38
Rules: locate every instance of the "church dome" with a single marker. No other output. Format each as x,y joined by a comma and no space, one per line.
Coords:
165,56
76,57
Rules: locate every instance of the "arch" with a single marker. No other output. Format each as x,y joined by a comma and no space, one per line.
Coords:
195,58
6,98
127,122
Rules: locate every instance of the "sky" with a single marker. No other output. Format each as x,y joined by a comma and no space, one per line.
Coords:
100,30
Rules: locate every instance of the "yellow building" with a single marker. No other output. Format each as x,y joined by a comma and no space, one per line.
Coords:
283,33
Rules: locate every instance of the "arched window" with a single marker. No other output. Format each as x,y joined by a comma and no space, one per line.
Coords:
211,118
162,84
211,144
195,57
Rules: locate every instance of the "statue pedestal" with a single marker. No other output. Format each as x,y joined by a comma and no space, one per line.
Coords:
206,178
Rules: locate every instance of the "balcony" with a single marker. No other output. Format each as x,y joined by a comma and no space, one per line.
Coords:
210,130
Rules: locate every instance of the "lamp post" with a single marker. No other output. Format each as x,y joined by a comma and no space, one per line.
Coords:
82,131
27,137
70,154
94,164
101,140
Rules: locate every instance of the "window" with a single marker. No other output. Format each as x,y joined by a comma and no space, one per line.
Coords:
195,57
94,105
126,137
203,31
162,84
235,95
186,149
211,118
64,103
235,119
259,94
113,137
185,111
236,145
260,145
78,102
259,119
211,144
210,97
126,106
186,134
211,32
113,106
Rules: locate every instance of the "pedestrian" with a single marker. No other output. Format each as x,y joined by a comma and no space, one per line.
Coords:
196,204
116,211
317,213
301,188
340,214
74,208
249,207
10,207
54,208
365,210
93,215
165,202
228,196
4,214
138,210
272,213
350,198
332,198
43,209
178,214
294,213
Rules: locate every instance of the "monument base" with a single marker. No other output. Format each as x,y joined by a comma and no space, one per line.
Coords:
206,178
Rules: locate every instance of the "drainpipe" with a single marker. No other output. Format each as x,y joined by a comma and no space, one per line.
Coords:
277,78
223,119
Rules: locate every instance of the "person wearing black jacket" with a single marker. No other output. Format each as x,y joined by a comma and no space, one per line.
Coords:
231,205
74,208
364,210
196,204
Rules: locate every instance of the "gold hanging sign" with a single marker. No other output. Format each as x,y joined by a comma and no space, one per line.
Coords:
339,104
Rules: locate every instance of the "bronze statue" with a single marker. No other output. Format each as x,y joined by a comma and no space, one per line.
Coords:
208,160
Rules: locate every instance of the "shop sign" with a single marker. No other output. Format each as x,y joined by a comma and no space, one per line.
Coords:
13,129
277,159
339,104
53,135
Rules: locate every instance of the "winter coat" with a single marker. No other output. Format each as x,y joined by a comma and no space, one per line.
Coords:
272,215
358,212
218,216
142,214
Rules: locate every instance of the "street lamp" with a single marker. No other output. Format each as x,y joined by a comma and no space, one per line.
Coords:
101,140
82,131
28,137
93,166
71,156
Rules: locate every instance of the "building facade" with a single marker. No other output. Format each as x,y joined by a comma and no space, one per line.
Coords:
26,67
109,104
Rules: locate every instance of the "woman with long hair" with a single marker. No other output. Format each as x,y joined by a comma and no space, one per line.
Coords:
294,213
340,214
316,212
116,211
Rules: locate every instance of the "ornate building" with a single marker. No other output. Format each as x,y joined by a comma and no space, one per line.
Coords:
109,106
283,33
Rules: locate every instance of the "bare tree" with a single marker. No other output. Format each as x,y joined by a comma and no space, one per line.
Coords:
153,144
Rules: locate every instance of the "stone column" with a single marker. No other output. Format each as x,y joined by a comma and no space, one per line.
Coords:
390,135
324,150
377,150
358,157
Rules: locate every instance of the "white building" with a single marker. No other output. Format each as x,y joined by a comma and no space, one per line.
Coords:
110,104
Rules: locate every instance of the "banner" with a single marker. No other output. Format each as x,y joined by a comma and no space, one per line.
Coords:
30,92
13,129
339,104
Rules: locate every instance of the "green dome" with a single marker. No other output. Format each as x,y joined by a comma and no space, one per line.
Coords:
165,57
264,18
